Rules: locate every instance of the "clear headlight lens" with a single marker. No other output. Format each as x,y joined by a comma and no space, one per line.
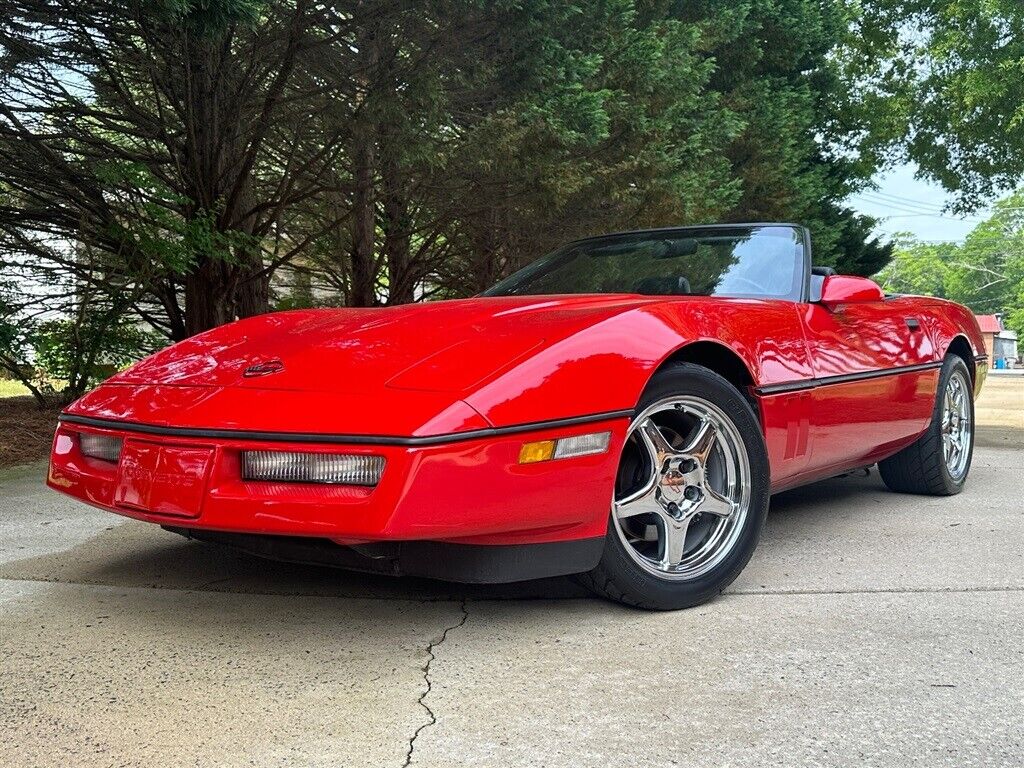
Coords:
295,467
102,447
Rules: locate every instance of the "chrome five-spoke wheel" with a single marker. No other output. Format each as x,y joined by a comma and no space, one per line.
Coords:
956,425
683,489
691,493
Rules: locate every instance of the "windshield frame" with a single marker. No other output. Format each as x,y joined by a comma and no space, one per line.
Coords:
801,294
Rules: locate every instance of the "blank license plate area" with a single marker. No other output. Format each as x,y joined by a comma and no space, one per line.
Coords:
163,479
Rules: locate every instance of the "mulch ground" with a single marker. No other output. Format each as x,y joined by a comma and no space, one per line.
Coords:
26,430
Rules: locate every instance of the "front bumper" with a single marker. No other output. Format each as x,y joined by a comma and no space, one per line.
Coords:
471,491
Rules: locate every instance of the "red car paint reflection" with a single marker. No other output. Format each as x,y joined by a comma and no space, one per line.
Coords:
463,371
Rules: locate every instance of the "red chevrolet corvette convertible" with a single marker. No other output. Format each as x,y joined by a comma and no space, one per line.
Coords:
621,409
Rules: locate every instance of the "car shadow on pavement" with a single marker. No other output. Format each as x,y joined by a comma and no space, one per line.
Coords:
818,498
139,555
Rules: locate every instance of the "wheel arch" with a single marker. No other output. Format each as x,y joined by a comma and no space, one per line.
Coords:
716,357
961,347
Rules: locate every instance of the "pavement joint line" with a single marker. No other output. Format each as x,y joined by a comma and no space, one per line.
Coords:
201,588
430,683
518,598
876,591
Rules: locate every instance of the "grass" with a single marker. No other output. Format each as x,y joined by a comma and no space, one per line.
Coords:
10,388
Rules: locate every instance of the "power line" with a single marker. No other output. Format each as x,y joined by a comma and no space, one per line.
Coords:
904,200
898,207
927,216
879,197
962,242
882,198
925,205
908,211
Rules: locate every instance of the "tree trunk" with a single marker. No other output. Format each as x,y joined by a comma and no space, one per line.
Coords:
252,297
252,294
208,297
167,294
485,253
397,249
363,291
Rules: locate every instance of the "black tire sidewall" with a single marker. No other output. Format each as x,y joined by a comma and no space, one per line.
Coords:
650,590
952,364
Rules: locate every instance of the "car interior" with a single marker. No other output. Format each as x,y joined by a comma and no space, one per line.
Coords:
673,285
680,286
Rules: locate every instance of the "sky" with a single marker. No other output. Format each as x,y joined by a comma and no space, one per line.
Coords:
905,204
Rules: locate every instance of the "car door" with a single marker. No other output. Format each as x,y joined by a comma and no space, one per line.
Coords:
875,379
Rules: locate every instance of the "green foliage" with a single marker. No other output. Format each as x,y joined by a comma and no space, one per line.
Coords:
985,273
80,353
167,241
213,158
776,69
210,17
714,112
918,268
941,82
61,358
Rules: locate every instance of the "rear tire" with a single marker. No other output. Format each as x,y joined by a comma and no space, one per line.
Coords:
933,465
714,491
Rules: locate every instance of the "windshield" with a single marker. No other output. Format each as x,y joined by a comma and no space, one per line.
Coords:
742,261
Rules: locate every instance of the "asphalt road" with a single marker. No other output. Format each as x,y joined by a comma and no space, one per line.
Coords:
870,628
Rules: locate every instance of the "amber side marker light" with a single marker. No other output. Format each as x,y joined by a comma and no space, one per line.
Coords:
564,447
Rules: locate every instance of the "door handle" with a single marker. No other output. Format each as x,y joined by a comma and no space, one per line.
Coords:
913,323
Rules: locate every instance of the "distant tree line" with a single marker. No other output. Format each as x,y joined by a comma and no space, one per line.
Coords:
985,272
171,165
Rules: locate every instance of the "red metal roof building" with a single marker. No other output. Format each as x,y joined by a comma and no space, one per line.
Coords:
989,323
999,342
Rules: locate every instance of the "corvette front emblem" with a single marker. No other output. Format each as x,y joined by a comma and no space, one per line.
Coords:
263,369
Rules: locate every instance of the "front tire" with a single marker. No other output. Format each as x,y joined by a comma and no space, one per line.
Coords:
938,462
691,494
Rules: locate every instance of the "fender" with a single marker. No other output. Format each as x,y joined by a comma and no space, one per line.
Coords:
606,366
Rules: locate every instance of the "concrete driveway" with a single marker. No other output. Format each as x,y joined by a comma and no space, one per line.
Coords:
870,628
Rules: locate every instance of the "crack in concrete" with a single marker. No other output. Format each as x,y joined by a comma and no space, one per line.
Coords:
430,684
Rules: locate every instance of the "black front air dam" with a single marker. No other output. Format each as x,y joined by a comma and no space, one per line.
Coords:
464,563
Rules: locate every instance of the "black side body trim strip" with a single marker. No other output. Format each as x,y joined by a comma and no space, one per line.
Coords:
843,378
312,437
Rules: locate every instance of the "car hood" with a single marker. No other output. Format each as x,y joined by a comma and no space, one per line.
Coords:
445,346
404,370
